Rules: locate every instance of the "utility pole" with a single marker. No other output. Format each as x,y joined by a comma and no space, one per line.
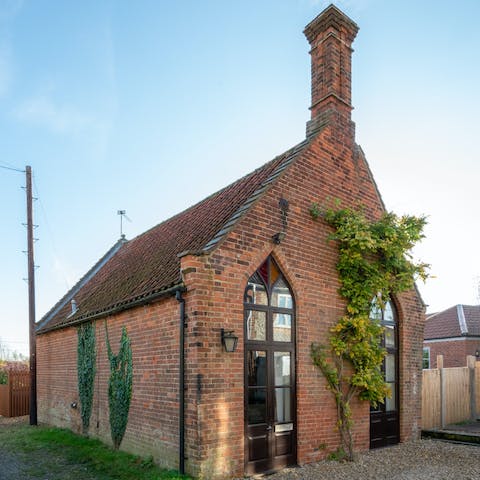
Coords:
31,299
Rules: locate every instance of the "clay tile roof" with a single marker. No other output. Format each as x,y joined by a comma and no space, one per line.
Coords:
472,318
456,321
149,265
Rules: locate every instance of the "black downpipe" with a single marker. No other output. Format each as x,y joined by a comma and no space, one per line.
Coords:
181,413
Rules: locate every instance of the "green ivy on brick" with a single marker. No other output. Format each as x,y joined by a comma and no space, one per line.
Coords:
86,369
119,386
374,262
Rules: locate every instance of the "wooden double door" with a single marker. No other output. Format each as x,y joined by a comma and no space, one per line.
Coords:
270,400
270,425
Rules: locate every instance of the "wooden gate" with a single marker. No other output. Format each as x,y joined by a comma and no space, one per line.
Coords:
15,396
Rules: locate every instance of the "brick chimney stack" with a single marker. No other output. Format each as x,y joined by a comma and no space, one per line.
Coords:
330,36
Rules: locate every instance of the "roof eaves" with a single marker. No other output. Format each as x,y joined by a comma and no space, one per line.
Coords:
81,283
256,195
116,308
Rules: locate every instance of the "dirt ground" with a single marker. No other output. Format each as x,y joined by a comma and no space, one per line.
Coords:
13,420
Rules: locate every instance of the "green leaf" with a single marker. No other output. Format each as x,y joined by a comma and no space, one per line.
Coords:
374,262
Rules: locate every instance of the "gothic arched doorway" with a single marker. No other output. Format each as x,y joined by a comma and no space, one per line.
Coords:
270,426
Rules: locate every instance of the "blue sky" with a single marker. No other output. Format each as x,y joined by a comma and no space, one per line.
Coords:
150,106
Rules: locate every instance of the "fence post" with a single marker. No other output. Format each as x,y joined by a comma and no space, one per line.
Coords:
471,381
10,394
477,388
443,399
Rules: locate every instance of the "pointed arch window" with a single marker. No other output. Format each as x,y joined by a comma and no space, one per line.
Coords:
268,305
386,315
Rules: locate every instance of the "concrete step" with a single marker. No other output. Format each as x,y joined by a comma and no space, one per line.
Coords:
453,436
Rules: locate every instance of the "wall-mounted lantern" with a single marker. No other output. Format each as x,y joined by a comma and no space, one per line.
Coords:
229,340
477,353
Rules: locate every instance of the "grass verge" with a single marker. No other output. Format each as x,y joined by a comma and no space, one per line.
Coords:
57,454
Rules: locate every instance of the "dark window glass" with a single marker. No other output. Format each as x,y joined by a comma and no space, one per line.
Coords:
274,273
263,271
257,405
257,368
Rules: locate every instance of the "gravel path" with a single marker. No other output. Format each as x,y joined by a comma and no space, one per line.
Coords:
11,466
421,460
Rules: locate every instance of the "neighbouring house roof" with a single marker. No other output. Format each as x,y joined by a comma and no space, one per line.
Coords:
456,321
149,265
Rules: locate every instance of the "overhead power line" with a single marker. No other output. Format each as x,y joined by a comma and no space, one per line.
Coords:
7,167
53,245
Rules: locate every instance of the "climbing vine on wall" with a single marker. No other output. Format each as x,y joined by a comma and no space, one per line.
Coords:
86,369
119,386
374,262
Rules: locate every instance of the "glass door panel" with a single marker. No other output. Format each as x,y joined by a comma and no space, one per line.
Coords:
257,405
390,367
257,368
282,368
390,403
283,405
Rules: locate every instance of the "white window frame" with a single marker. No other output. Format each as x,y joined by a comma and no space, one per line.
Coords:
426,350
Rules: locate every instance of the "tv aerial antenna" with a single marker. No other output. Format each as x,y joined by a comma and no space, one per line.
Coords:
123,214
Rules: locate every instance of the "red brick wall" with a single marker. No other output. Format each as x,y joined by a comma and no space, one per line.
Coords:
153,419
57,379
214,300
411,325
454,351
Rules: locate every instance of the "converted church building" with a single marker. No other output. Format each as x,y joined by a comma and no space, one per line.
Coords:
245,270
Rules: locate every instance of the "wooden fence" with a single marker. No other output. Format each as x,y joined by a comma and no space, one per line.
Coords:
450,395
15,396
